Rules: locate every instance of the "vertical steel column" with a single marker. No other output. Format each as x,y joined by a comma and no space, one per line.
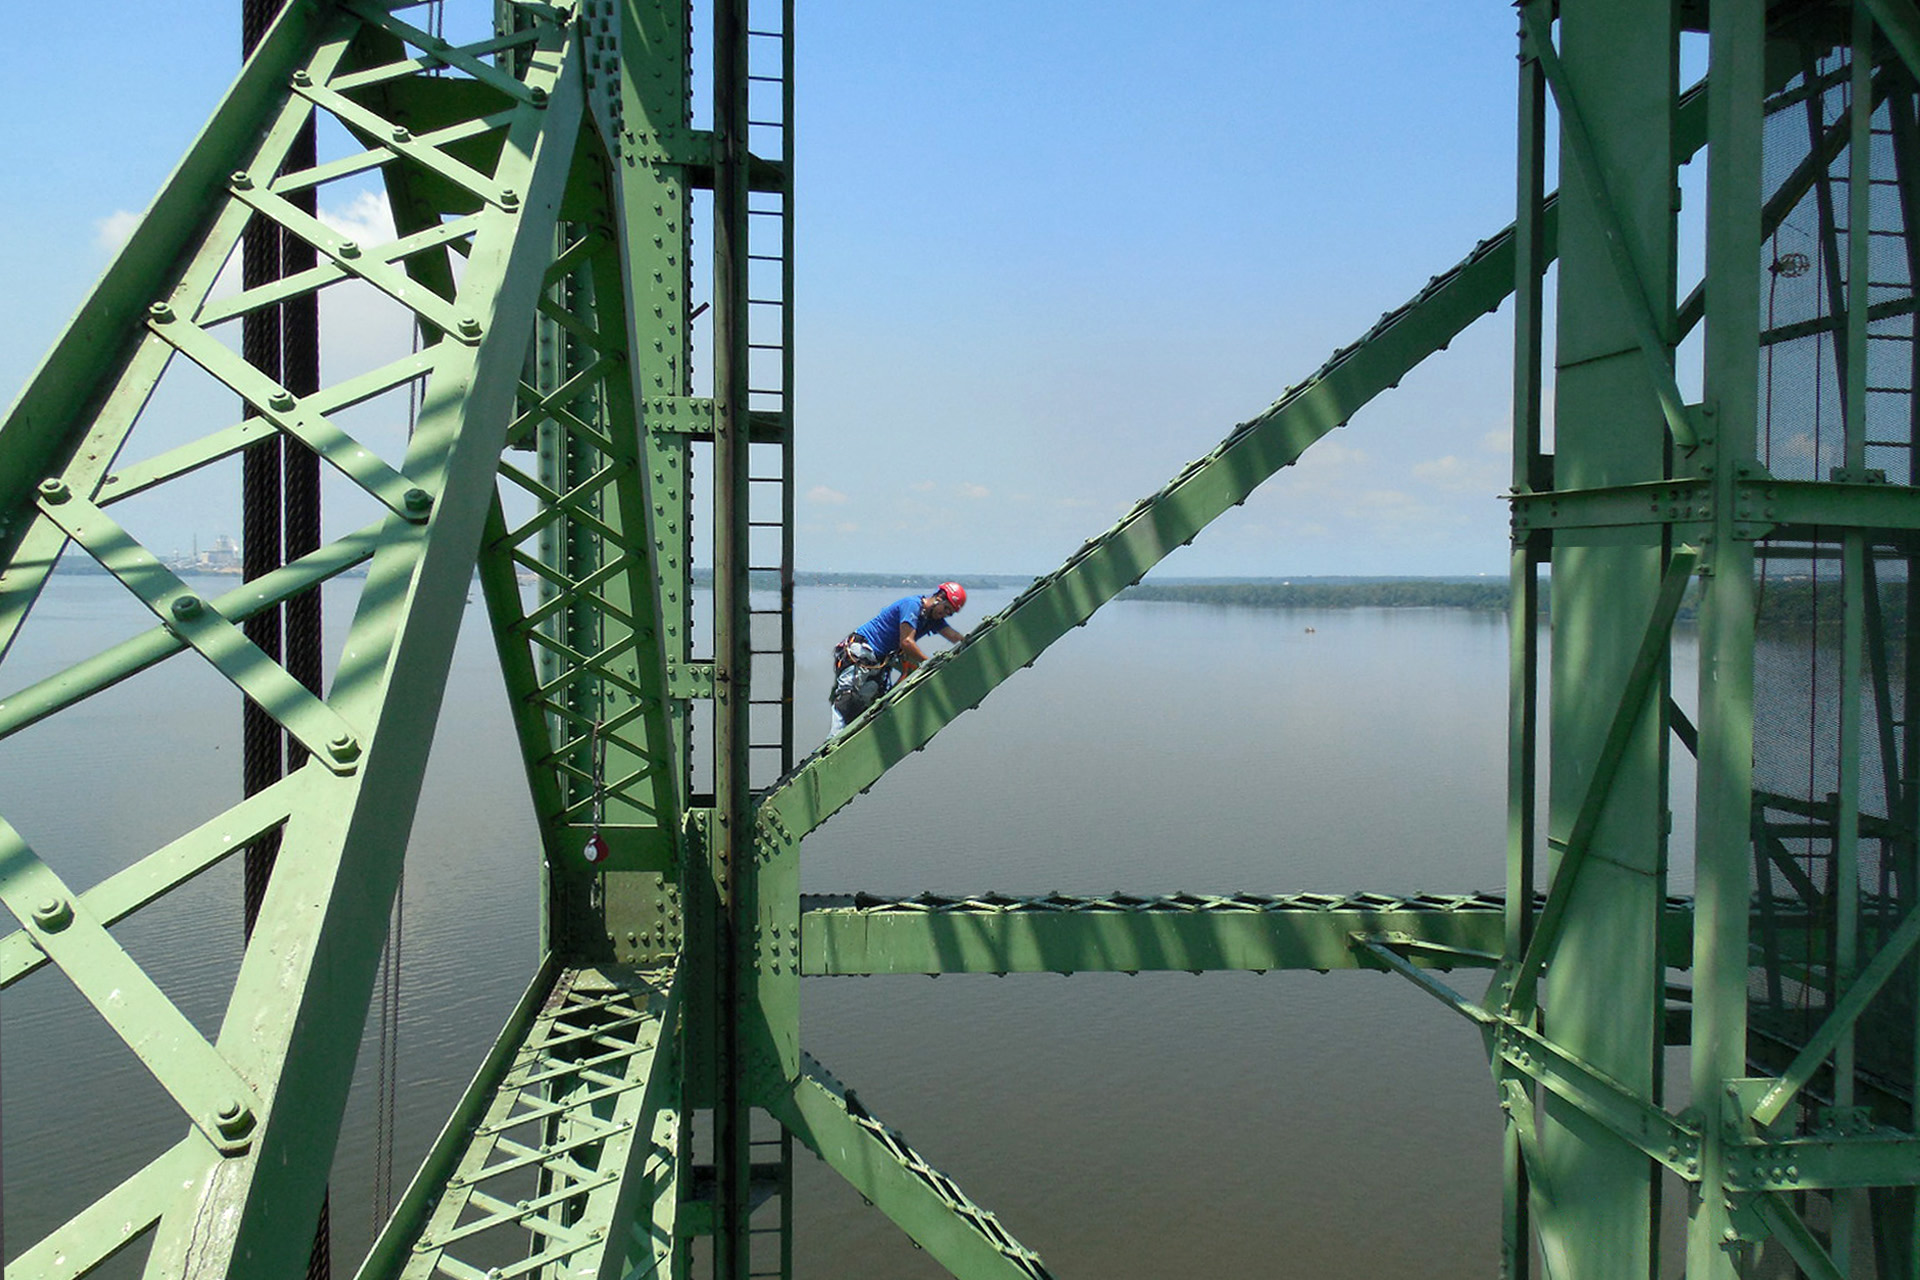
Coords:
1604,991
732,843
1523,608
1724,783
1896,1222
1846,850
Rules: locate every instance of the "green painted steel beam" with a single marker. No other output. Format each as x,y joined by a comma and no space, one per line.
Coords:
1520,1051
858,935
956,680
1822,1161
408,1221
579,1097
1056,934
1761,508
260,1159
146,881
926,1204
1636,702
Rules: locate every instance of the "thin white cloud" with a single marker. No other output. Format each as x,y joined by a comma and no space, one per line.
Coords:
111,233
1453,474
368,218
972,491
923,486
826,496
1330,455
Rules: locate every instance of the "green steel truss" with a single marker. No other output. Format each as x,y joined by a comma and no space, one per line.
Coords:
544,183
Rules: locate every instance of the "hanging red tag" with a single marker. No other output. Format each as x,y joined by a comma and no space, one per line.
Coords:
596,848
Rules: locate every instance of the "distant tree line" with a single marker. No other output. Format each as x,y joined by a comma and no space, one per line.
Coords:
1791,602
1787,601
1410,593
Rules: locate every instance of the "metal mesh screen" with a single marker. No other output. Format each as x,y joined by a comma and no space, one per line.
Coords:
1831,657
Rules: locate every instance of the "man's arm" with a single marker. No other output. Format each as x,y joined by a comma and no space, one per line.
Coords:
911,654
948,634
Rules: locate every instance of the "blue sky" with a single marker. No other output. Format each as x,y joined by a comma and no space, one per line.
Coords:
1048,252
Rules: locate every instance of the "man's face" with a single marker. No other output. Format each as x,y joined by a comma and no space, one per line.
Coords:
936,606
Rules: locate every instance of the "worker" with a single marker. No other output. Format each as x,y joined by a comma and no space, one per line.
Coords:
863,663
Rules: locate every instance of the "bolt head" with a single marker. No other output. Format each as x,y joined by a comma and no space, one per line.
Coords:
281,400
53,914
160,313
469,327
509,199
418,501
233,1119
349,249
54,489
187,607
303,78
402,134
344,747
241,180
538,95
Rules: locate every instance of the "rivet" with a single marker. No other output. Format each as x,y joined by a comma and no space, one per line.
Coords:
186,607
349,249
418,500
537,96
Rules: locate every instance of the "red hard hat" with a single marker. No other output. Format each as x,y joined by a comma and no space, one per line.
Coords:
955,594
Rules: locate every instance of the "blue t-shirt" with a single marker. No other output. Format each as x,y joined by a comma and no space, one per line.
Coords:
883,632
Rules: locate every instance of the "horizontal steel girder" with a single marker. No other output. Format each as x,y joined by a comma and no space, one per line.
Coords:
859,934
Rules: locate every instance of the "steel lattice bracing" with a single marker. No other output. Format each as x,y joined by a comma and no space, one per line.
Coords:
543,185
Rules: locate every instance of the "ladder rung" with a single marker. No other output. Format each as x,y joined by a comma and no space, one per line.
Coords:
764,79
765,257
1889,444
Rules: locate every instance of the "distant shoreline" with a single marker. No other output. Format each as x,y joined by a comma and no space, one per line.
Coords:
1785,601
1397,593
